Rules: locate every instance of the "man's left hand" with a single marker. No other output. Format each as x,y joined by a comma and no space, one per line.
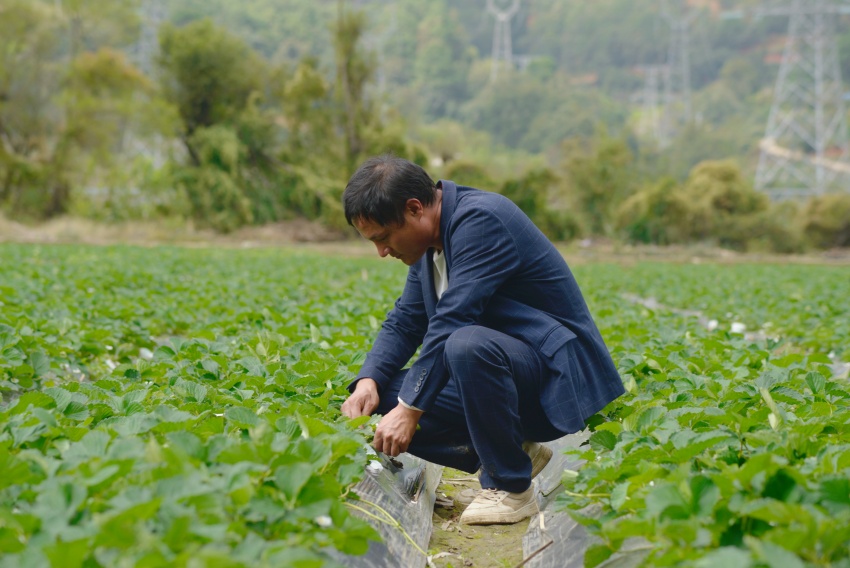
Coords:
395,430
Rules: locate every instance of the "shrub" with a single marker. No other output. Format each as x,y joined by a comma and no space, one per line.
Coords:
826,220
655,215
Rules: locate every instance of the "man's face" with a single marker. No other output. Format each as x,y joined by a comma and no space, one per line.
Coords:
407,242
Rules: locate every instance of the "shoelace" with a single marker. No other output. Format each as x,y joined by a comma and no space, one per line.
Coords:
492,495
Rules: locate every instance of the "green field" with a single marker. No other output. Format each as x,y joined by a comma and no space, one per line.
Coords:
180,407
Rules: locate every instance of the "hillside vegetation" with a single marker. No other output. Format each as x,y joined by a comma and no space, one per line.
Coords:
252,112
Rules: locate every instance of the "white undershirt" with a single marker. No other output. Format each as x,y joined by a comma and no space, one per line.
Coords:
441,275
441,282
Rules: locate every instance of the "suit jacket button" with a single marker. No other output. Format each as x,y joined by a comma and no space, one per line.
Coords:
416,389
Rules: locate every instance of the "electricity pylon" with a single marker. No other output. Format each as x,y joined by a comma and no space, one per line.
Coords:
151,17
651,99
677,81
805,148
502,47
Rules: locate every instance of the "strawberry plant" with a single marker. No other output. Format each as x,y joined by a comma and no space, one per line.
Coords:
726,450
175,407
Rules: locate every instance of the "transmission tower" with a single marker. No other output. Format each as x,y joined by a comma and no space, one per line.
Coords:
651,99
151,17
805,148
677,83
502,48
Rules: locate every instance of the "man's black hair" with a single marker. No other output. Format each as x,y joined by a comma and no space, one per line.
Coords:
379,189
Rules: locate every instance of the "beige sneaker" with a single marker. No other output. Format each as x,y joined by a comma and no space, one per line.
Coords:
540,456
494,507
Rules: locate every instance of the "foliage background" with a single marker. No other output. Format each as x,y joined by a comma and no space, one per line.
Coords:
258,111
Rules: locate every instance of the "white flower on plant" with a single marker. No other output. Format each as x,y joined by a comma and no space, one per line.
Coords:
738,327
111,364
324,521
145,354
712,325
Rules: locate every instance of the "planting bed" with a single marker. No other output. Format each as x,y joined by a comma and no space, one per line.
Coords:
179,407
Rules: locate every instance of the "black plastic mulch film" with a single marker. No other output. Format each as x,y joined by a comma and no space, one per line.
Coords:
402,492
406,494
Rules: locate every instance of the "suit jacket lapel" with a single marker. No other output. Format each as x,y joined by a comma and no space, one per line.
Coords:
449,205
429,294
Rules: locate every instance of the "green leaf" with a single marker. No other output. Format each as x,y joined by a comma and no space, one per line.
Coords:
76,411
313,426
196,391
34,398
187,443
705,495
167,413
101,476
650,416
61,396
771,511
15,471
836,490
68,554
40,363
355,423
613,427
92,445
292,478
121,531
665,501
12,356
619,495
602,440
774,555
596,554
242,417
816,382
725,557
289,426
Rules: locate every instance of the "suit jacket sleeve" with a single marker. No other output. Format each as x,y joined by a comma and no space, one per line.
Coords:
484,255
401,334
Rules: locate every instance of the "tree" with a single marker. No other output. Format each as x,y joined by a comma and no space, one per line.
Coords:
354,69
59,113
209,75
599,181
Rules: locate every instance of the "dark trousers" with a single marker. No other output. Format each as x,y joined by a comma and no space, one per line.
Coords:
489,406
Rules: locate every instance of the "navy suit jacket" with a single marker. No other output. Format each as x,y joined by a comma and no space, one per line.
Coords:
503,274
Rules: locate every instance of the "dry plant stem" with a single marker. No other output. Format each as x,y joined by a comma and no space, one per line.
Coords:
587,495
542,518
535,553
388,520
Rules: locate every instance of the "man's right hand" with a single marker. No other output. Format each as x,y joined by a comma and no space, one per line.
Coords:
363,401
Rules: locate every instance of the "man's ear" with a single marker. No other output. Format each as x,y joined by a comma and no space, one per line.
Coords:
414,207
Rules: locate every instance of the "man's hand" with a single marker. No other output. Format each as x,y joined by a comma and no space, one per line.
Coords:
363,401
395,430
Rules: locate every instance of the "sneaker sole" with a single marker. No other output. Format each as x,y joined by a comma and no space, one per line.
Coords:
502,518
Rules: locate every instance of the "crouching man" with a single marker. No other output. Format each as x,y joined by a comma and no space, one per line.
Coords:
510,354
